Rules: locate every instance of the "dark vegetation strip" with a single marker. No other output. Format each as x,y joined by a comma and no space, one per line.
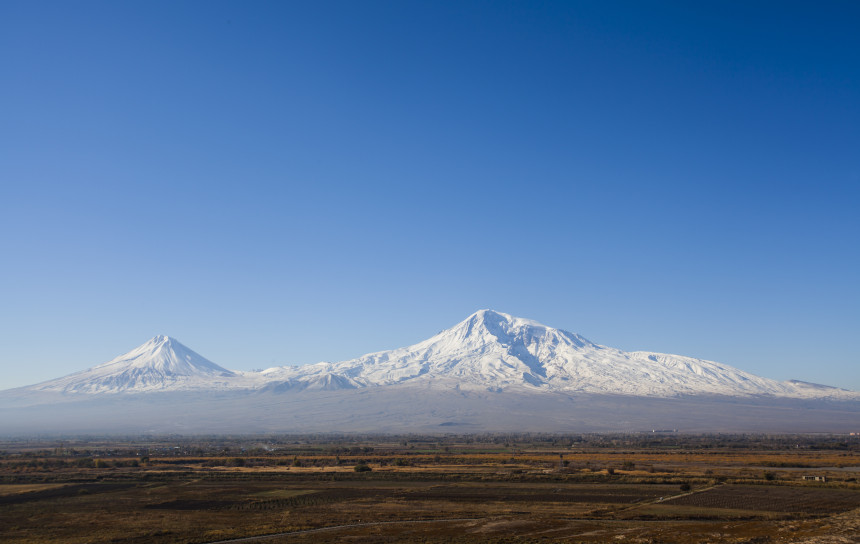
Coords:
473,495
72,490
336,528
311,499
773,499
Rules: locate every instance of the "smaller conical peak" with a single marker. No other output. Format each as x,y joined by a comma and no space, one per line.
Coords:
160,363
159,343
166,354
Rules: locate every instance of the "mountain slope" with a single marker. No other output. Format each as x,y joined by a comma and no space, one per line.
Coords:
160,364
496,351
490,372
488,351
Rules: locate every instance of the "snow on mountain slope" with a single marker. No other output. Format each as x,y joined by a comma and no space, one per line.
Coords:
489,351
160,364
495,351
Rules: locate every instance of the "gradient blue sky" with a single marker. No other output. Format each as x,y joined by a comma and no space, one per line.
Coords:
288,182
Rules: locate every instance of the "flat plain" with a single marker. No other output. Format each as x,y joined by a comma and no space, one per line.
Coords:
646,487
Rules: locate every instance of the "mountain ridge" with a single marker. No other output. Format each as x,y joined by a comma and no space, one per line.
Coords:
492,372
159,363
494,351
488,351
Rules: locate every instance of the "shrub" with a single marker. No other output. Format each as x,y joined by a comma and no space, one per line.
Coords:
362,467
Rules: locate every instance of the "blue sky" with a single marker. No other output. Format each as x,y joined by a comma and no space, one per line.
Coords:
288,182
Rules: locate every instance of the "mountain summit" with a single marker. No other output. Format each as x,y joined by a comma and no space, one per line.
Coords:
490,372
488,351
160,363
495,351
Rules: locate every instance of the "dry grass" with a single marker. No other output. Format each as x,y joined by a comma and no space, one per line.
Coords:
460,496
15,489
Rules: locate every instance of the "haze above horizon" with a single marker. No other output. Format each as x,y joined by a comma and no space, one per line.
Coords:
281,183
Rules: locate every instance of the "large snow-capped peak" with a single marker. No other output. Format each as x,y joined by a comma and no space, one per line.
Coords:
493,350
497,348
488,327
161,363
488,350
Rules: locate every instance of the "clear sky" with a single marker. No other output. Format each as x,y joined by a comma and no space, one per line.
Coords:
288,182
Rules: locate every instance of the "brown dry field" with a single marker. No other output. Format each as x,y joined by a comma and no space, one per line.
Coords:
457,492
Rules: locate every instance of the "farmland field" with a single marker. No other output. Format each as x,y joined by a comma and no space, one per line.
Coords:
431,489
774,499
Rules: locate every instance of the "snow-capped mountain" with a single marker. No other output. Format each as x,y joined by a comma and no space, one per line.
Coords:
162,363
496,351
491,372
488,351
